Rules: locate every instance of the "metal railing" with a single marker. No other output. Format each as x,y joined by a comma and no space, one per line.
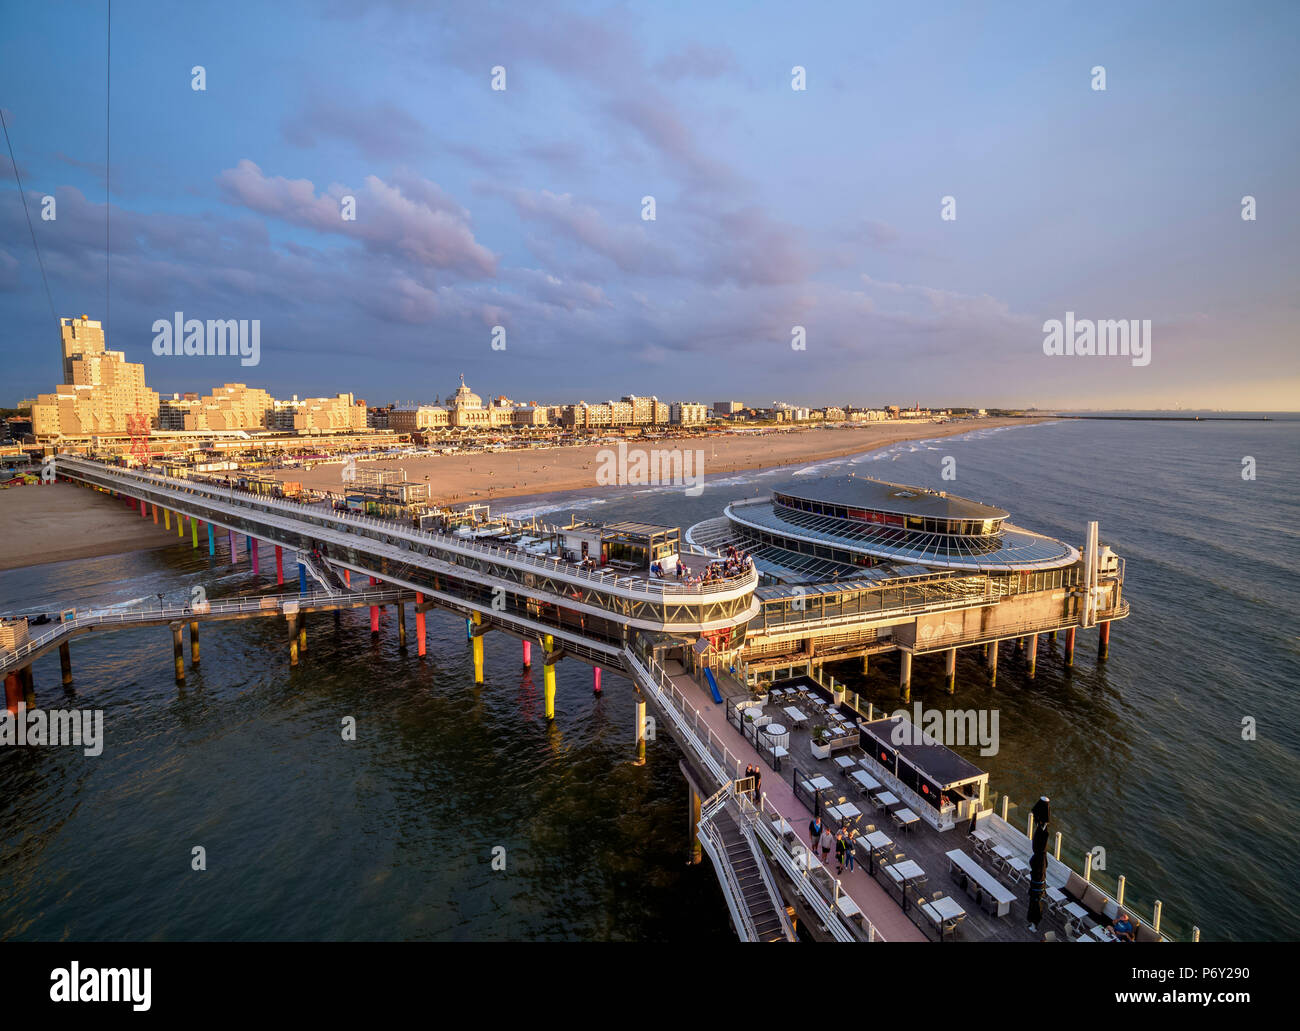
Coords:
185,613
603,578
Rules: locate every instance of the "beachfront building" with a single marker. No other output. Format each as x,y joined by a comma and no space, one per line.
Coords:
418,418
689,413
467,411
726,409
340,412
648,411
101,389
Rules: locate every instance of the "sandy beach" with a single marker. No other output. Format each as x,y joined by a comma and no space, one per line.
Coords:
490,476
60,522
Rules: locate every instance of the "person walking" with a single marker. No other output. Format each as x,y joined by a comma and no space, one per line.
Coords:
827,841
814,831
839,852
848,850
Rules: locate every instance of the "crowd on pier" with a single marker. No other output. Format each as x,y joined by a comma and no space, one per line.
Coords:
733,563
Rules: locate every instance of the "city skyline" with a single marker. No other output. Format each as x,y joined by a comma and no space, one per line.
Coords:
775,207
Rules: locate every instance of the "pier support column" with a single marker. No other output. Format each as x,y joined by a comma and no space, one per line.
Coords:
419,625
234,554
476,621
548,676
1033,655
950,668
993,661
1103,640
595,680
905,675
866,665
167,518
693,804
212,544
154,509
13,692
252,553
194,535
1069,647
347,578
293,640
374,612
194,642
178,652
180,525
401,625
65,663
640,729
28,681
302,633
528,653
302,578
279,564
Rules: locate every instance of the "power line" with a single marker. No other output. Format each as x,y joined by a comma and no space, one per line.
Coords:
30,228
108,137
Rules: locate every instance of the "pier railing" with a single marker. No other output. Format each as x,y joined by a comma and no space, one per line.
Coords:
662,590
698,738
152,613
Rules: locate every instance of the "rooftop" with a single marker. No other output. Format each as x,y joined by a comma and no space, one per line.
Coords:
883,496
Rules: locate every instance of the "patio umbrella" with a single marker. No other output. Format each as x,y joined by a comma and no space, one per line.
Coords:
1038,861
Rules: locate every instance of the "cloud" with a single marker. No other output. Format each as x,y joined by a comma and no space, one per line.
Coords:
415,220
379,130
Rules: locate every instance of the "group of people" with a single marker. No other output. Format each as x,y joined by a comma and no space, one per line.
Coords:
842,841
752,772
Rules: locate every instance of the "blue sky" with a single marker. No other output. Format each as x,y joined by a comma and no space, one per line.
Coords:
775,207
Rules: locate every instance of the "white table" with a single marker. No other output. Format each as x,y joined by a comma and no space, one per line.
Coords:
864,780
847,906
796,717
878,840
845,811
1103,933
819,783
943,911
907,870
776,734
886,798
987,883
905,817
1077,911
844,762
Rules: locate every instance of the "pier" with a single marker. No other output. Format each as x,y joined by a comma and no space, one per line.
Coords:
700,646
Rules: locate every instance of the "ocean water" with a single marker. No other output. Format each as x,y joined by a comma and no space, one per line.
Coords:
393,836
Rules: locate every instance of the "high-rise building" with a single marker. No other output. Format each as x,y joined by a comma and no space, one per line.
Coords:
102,392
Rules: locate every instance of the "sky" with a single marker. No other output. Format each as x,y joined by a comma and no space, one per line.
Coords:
775,207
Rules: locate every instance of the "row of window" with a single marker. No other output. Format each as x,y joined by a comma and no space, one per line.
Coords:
961,527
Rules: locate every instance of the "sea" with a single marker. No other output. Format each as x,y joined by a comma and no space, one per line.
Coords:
240,806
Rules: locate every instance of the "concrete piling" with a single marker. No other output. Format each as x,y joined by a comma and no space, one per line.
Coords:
194,642
1103,640
1069,647
419,624
279,564
548,676
950,668
1032,655
65,662
401,625
905,675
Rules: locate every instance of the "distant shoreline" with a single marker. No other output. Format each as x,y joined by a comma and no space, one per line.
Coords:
507,475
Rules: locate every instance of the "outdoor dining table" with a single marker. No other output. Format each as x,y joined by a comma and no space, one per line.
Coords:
776,734
864,780
905,817
844,762
885,799
819,783
1077,911
877,841
796,717
844,811
945,912
902,873
847,906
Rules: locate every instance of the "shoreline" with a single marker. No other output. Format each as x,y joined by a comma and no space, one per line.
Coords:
510,475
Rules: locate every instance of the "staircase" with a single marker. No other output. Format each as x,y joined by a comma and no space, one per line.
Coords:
769,922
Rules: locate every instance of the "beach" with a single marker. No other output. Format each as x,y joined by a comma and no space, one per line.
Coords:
58,522
492,476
